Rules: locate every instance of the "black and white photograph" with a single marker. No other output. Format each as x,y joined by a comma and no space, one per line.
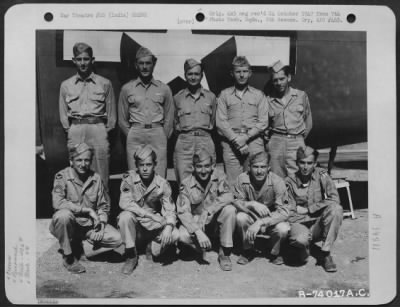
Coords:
207,164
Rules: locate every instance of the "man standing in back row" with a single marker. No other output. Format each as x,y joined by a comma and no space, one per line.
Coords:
87,109
242,117
195,109
146,111
290,121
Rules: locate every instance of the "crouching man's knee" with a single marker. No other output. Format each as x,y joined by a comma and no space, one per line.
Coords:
299,236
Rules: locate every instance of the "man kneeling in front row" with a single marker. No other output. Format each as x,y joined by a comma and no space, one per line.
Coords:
263,197
317,213
205,206
82,208
149,211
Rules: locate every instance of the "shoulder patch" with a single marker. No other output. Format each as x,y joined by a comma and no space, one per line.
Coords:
125,175
125,187
59,176
58,189
323,172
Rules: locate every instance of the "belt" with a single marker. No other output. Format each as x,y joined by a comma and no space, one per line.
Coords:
146,126
240,130
288,135
196,132
87,120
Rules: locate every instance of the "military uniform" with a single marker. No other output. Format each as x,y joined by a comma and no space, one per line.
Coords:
194,121
146,117
240,115
272,194
325,214
136,200
87,112
70,195
290,122
207,209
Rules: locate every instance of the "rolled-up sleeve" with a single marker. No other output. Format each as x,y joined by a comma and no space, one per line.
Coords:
168,210
169,111
307,116
63,107
111,108
185,212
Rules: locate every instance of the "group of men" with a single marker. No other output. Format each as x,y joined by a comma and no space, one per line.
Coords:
271,184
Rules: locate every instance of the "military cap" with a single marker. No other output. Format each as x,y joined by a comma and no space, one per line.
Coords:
240,61
190,63
143,51
201,155
277,66
143,152
304,152
79,149
257,157
82,47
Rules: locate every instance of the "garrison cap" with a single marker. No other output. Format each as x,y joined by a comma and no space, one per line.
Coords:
240,61
78,149
82,47
143,152
277,66
190,63
143,51
257,157
200,155
304,152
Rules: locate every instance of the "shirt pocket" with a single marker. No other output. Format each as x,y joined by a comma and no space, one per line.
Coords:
252,108
297,108
99,97
206,110
184,117
71,98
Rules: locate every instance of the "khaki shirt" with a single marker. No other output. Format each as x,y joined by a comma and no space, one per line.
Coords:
319,193
72,194
272,194
196,206
146,104
194,113
92,97
249,112
294,117
139,199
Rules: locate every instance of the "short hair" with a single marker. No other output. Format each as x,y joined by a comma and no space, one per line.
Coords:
82,47
304,152
259,156
240,61
202,154
143,152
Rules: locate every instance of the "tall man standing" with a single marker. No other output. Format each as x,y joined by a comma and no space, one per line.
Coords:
149,213
317,213
290,121
82,206
195,109
205,206
263,195
242,117
87,109
146,111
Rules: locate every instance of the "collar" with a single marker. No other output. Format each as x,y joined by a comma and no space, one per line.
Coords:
298,180
268,180
247,88
152,82
71,177
292,92
188,93
194,183
137,180
91,77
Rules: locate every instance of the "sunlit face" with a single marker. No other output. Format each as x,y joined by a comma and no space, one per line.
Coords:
194,75
84,63
280,81
259,171
146,168
145,66
307,165
81,163
241,74
204,169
